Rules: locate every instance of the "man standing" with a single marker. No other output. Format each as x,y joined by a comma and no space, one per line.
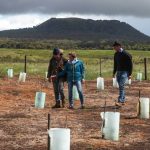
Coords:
56,65
122,69
74,70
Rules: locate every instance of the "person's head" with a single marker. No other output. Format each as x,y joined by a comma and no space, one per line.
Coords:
61,52
72,56
56,53
117,46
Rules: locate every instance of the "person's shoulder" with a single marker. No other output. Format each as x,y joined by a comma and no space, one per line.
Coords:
127,53
51,59
80,61
64,59
116,53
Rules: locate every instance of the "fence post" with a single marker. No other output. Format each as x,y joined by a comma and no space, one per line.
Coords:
145,68
100,67
25,64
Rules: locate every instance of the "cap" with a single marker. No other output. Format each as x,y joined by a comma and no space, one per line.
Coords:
56,51
116,44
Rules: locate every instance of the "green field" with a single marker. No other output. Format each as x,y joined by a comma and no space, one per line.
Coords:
37,61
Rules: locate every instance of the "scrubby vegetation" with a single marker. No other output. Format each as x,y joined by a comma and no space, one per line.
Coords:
37,61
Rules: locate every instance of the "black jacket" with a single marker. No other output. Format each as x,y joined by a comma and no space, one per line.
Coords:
55,66
123,62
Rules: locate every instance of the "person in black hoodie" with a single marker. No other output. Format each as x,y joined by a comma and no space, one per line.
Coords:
56,65
122,69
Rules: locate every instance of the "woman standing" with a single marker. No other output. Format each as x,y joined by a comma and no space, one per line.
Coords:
74,70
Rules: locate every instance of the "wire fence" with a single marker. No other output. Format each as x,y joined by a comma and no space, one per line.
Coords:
94,67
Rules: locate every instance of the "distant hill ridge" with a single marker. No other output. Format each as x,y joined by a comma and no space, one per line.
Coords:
79,29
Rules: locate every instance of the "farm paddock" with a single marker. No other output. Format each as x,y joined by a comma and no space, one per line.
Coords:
23,127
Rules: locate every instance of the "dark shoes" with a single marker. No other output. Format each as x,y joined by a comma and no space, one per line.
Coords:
63,103
119,103
82,107
57,105
70,107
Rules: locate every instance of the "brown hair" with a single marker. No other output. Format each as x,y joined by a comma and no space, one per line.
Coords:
73,54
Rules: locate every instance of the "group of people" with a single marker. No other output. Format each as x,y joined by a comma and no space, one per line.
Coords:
72,70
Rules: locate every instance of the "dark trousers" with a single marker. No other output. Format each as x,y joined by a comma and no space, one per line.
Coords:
58,86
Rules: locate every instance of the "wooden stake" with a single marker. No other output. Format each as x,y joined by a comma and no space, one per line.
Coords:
100,67
145,68
66,121
25,64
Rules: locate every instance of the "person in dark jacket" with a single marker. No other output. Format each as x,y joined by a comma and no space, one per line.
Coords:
123,70
56,65
74,70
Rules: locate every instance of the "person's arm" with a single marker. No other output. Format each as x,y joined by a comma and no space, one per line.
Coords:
130,65
82,67
49,70
83,71
115,66
62,73
65,61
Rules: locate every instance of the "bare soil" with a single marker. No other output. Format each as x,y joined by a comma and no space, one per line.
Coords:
24,127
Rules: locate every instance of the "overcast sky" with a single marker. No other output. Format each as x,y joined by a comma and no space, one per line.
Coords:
27,13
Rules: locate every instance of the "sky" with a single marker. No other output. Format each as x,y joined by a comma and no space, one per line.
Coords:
16,14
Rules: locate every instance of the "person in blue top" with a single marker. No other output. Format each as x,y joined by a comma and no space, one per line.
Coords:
74,70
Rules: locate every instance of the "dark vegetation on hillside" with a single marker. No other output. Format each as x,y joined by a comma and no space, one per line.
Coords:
69,44
75,33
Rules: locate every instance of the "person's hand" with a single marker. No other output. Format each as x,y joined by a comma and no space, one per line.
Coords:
53,77
83,81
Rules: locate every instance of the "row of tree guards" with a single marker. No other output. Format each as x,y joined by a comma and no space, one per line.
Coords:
22,75
100,65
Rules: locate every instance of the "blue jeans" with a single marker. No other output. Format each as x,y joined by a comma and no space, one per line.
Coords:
79,89
122,76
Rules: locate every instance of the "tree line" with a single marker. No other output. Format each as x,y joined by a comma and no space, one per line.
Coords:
70,44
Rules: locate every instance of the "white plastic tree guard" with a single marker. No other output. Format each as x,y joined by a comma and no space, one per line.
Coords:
111,125
59,138
22,77
40,99
144,108
75,93
115,83
139,76
46,75
128,81
100,83
10,73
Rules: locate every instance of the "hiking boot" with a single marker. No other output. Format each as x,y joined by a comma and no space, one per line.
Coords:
118,104
70,107
82,107
63,103
123,103
57,105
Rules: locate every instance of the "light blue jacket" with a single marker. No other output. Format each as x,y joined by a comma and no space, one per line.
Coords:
73,70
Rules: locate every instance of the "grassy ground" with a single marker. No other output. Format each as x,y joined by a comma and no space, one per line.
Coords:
12,58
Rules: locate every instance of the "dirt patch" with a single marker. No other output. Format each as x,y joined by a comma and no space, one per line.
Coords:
23,127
